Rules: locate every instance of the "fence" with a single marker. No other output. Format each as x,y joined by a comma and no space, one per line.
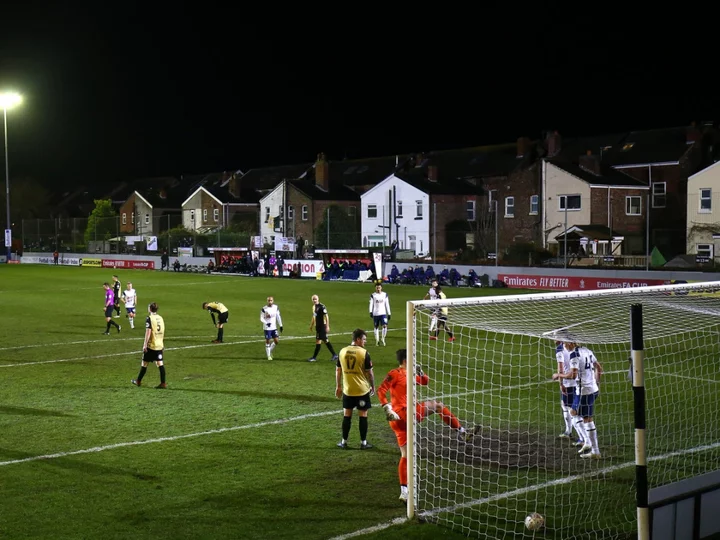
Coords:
109,235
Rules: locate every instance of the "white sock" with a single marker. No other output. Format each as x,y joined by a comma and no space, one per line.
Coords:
267,350
272,346
384,332
592,435
567,417
580,429
433,322
377,334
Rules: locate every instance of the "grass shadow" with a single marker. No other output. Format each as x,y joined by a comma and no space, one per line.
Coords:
26,411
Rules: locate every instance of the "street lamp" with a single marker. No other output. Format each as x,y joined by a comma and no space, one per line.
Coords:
8,100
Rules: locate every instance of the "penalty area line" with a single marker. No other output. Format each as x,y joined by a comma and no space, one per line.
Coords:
97,449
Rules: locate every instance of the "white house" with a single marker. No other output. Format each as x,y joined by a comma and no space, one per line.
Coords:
395,210
271,213
703,212
202,211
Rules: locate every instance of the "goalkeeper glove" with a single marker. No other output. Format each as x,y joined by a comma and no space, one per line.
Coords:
388,318
371,315
281,329
419,371
389,413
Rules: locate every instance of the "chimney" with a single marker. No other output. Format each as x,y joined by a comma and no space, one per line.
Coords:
693,133
432,173
554,143
234,185
523,146
590,163
322,179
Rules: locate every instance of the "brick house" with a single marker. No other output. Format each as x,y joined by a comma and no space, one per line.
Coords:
212,202
663,159
593,206
478,178
149,201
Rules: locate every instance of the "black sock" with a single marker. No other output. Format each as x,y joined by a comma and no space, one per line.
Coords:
116,325
141,374
162,374
363,428
220,334
317,350
347,422
450,334
329,346
108,326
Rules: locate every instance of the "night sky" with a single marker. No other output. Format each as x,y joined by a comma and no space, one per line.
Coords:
125,91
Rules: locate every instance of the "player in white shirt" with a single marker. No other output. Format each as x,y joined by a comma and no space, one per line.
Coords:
270,317
432,295
129,298
586,370
380,313
567,393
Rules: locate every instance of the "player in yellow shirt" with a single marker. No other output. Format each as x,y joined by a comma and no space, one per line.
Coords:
355,384
153,346
223,314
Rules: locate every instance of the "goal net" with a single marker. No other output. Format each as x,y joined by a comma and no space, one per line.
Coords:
496,378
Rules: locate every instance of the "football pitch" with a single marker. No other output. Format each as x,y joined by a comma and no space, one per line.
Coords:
237,447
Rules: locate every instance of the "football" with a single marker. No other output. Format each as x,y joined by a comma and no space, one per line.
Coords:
534,521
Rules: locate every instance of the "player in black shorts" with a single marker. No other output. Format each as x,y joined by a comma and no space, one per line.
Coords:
321,321
117,291
153,347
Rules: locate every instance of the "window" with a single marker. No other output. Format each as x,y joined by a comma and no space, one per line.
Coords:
399,209
192,216
509,206
570,202
304,212
633,205
352,211
704,250
534,202
659,195
216,214
291,213
705,200
627,146
372,211
147,219
267,214
418,209
132,218
470,210
204,215
124,218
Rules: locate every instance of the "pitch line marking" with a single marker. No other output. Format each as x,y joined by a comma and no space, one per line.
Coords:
165,439
126,353
526,490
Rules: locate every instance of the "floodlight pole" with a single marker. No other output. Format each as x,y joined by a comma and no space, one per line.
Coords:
7,186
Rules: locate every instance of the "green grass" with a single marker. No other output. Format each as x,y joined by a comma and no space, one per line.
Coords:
66,388
243,447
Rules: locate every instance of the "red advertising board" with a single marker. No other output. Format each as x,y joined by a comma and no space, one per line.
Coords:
119,263
574,283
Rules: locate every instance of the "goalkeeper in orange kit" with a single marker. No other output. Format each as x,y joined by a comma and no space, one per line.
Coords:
396,411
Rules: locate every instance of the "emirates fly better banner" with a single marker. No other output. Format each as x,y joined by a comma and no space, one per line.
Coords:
573,283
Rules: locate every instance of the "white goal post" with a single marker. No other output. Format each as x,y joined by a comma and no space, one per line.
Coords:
660,374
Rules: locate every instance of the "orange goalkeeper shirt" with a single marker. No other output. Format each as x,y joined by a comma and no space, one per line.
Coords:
396,383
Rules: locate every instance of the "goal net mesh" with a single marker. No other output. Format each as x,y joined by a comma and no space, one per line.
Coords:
496,378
